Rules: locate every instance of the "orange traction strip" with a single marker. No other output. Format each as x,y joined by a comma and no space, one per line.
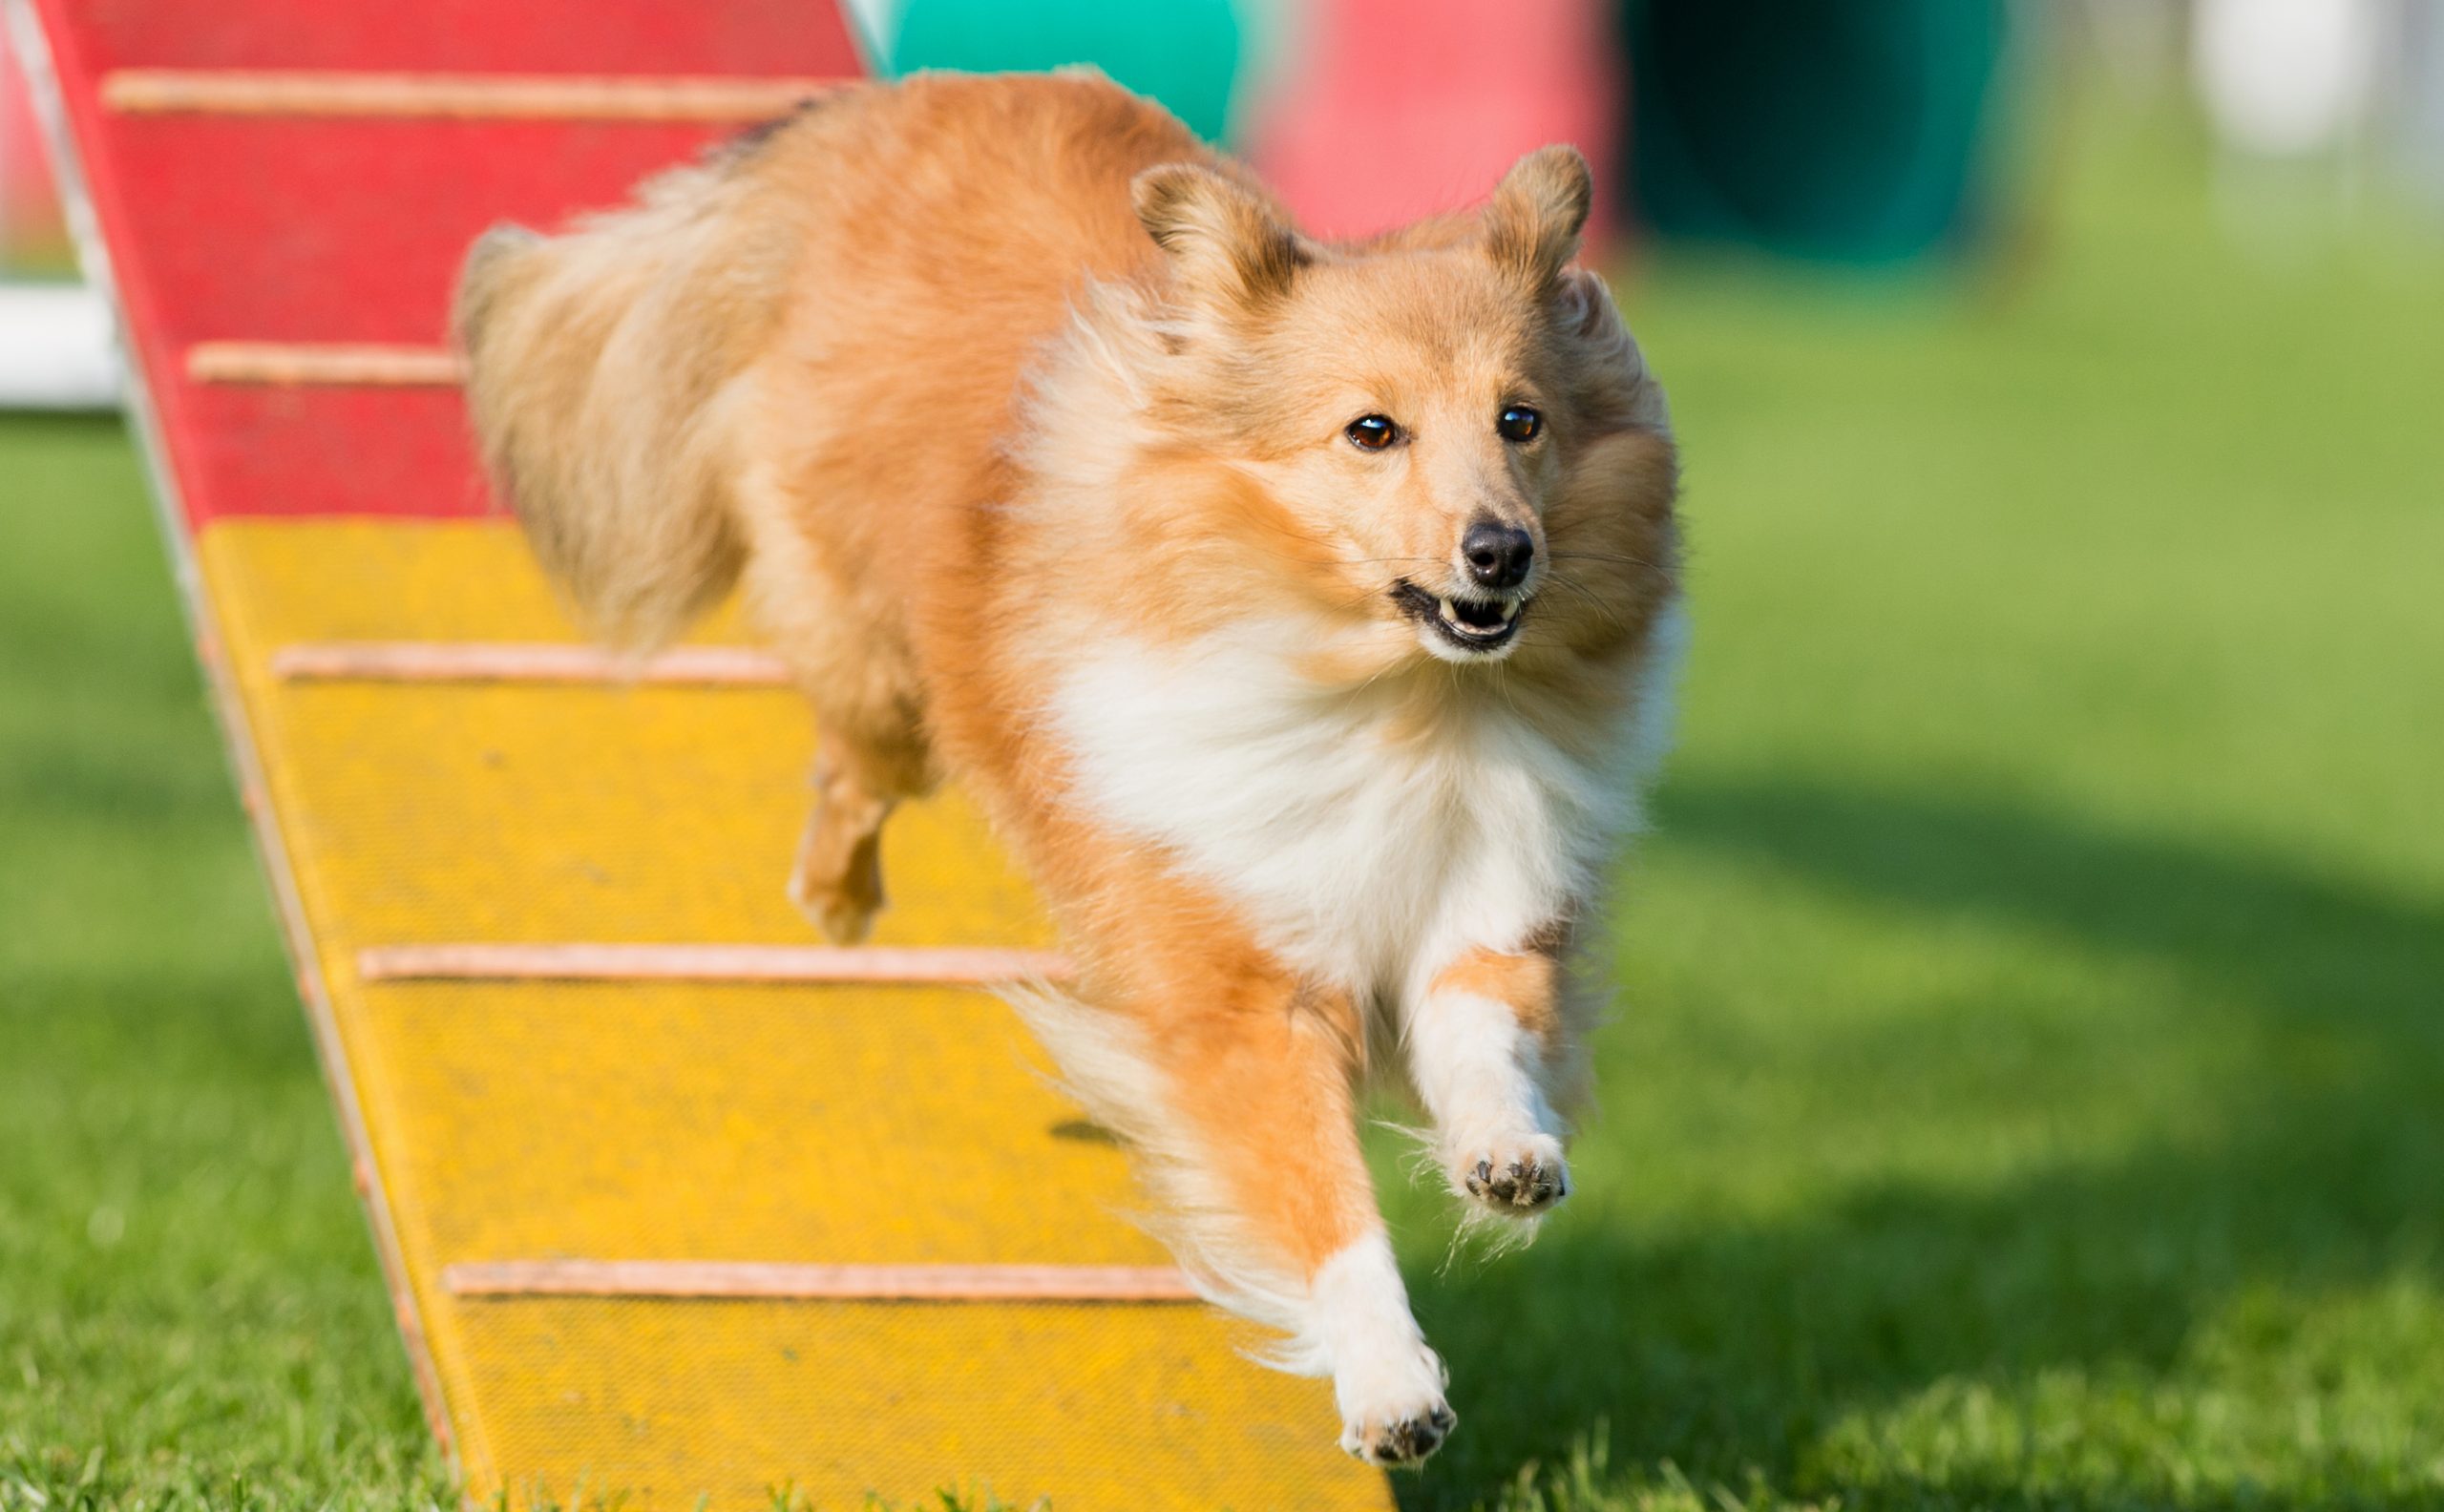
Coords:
527,96
708,963
539,661
850,1283
303,364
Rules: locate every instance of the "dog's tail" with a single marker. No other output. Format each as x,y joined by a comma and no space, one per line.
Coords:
608,370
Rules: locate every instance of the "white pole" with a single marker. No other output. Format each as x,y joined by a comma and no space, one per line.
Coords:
55,348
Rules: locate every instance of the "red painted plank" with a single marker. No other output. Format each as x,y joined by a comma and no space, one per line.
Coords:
351,231
260,451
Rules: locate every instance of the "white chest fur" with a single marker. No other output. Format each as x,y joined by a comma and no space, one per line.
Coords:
1364,847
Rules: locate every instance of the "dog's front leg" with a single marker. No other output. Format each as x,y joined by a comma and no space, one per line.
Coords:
1482,1039
1262,1084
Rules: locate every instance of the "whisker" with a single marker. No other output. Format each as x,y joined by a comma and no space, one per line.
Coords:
1593,600
1607,557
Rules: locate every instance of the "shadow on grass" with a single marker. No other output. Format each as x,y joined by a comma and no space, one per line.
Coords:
1727,1350
2299,944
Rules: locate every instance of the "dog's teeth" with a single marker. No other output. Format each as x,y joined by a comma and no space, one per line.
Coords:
1450,610
1510,611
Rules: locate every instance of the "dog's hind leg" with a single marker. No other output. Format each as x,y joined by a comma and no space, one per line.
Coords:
838,880
867,757
840,632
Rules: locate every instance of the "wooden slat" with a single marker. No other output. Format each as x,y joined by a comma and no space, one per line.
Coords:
846,1283
471,661
959,965
534,96
300,364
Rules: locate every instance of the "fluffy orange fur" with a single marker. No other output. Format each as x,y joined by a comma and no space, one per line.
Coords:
971,383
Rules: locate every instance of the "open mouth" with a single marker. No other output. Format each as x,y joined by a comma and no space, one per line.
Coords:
1472,624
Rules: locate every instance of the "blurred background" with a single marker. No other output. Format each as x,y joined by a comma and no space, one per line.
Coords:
2028,1084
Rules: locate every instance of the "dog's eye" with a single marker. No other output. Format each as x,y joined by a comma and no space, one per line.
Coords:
1371,432
1519,423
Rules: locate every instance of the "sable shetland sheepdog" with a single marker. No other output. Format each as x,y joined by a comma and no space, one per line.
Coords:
1302,613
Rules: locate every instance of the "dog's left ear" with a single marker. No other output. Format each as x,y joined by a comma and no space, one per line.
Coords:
1225,245
1538,210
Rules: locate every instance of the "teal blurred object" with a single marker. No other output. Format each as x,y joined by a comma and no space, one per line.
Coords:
1853,131
1184,52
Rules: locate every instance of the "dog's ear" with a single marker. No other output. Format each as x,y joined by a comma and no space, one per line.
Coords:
1618,392
1538,210
1224,245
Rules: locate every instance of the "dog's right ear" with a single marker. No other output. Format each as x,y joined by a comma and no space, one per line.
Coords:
1225,245
1538,210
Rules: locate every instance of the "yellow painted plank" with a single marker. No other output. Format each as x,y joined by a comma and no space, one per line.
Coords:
357,580
847,1124
506,812
1105,1409
450,813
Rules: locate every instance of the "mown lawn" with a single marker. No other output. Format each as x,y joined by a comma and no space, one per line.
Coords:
2028,1085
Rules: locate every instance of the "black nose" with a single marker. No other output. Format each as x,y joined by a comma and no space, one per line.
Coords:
1498,553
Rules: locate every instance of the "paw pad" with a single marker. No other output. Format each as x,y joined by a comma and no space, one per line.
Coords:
1402,1441
1522,1185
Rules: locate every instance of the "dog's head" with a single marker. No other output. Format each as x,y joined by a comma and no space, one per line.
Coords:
1443,438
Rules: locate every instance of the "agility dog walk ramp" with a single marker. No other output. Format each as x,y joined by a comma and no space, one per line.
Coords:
677,1206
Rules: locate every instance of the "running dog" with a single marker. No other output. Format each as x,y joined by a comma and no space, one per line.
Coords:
1302,613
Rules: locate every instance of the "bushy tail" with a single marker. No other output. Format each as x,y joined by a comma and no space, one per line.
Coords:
607,371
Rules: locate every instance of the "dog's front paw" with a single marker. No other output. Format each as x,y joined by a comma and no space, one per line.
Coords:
1518,1178
1392,1409
1402,1442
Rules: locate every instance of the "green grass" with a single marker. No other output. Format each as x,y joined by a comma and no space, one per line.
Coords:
2028,1085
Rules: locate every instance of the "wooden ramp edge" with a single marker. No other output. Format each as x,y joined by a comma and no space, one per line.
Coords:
677,1205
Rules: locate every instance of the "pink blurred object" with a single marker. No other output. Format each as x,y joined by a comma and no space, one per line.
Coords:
30,224
1387,110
